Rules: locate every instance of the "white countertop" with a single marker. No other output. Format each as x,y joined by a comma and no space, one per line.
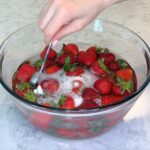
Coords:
133,133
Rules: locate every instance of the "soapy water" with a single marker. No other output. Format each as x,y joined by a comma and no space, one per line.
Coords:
66,83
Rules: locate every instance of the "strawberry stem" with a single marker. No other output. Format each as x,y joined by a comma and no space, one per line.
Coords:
122,63
68,66
23,86
62,100
38,63
102,64
125,85
30,96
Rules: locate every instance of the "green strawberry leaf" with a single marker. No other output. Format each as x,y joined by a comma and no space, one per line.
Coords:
122,63
30,96
102,65
23,86
68,66
125,85
38,63
62,100
99,50
72,69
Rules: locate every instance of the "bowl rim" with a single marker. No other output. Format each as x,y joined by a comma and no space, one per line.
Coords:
88,110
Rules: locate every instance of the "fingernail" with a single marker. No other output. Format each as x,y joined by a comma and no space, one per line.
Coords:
55,42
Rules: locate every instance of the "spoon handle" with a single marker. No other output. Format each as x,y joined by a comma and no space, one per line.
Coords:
45,57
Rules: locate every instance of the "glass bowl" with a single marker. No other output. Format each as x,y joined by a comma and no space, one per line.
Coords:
28,41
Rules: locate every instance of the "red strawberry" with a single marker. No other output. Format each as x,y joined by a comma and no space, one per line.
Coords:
89,56
49,63
122,87
46,104
90,94
80,57
25,72
20,93
77,86
66,102
126,74
52,69
71,48
76,71
49,86
41,120
89,105
69,133
108,57
117,90
99,68
103,86
91,50
22,88
52,54
114,66
110,99
64,56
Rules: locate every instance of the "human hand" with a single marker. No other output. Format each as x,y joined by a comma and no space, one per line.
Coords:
62,17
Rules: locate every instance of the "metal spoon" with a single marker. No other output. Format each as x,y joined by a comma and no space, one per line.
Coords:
35,77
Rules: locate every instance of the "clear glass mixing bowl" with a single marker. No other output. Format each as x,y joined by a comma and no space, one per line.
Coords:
28,41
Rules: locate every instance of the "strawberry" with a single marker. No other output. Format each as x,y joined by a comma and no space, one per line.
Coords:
52,69
126,74
63,57
110,99
99,68
76,71
71,49
89,94
77,86
103,86
25,72
121,87
117,90
49,63
49,86
46,104
40,120
20,93
91,50
22,88
108,57
90,56
80,57
66,102
89,105
68,133
114,66
51,56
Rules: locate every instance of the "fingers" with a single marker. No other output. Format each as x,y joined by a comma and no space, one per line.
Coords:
45,9
74,26
47,14
54,25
